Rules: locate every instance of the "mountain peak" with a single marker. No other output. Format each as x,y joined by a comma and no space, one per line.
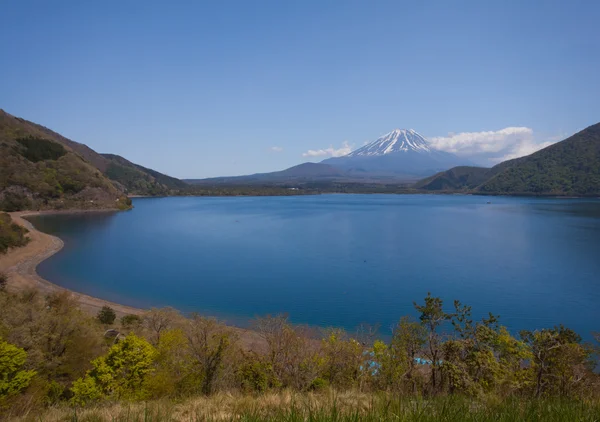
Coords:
398,140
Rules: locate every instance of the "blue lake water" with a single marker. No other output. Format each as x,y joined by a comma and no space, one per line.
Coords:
340,260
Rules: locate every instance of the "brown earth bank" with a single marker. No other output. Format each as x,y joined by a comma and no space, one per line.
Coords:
20,264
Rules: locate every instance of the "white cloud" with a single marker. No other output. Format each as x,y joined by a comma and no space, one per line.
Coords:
467,143
277,149
522,149
329,152
493,146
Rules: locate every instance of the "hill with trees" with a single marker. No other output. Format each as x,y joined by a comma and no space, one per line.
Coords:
567,168
138,180
39,171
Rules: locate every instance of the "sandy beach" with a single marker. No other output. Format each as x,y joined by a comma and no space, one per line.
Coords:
20,264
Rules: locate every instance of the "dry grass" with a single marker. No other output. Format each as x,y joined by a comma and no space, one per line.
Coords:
328,406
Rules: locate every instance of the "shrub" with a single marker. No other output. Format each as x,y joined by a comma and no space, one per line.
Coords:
11,235
120,373
13,378
3,281
106,315
131,321
14,202
256,375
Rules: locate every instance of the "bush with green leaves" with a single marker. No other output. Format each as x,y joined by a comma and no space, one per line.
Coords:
106,315
13,378
120,374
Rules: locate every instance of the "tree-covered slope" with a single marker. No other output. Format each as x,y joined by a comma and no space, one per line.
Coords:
139,180
455,179
39,171
26,171
569,167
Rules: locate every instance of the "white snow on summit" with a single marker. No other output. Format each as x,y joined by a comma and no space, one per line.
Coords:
395,141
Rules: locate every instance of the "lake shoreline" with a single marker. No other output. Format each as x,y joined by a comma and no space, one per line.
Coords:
20,264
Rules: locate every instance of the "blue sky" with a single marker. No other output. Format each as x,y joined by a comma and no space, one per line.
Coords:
198,89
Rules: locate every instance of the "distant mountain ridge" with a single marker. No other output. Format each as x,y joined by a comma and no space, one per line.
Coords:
301,172
400,156
400,153
568,168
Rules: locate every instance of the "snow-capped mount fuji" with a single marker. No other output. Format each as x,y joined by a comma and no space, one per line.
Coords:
395,141
401,152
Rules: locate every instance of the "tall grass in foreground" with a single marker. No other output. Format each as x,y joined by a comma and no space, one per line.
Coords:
330,407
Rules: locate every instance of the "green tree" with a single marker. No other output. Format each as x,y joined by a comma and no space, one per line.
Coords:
119,374
345,359
433,317
559,360
174,374
13,378
106,315
407,343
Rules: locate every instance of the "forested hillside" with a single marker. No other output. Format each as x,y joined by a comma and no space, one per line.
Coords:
41,169
139,180
567,168
38,171
455,179
570,167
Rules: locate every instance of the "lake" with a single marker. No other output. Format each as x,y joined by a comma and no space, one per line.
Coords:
340,260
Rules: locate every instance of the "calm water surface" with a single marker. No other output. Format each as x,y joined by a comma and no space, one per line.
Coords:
339,260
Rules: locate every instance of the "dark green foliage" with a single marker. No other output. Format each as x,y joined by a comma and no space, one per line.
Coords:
455,179
11,235
139,180
39,149
568,168
3,281
106,315
13,201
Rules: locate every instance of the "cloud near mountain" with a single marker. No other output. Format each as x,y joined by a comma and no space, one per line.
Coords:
468,143
491,146
345,149
486,147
